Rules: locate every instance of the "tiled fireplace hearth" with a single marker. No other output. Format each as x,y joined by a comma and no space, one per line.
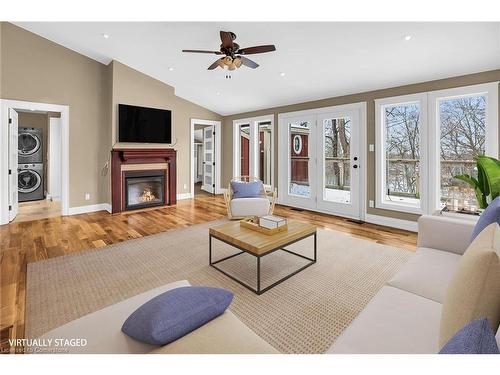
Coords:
142,178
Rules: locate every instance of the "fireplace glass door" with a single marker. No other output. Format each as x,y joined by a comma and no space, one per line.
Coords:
144,191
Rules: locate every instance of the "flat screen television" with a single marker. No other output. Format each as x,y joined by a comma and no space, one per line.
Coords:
144,125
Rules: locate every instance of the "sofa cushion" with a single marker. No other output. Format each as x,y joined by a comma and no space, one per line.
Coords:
223,335
475,338
490,215
102,328
427,273
394,322
247,189
250,206
474,291
175,313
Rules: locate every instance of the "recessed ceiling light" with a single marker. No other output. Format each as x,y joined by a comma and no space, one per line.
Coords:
105,36
408,37
282,74
170,68
217,93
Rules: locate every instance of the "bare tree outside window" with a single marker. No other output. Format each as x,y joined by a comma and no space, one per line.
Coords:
463,136
402,142
337,133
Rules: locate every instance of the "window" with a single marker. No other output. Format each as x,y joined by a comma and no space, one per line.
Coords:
424,140
253,148
464,123
299,158
463,137
400,159
265,152
337,159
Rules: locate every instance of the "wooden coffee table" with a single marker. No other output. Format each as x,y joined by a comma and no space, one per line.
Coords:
260,245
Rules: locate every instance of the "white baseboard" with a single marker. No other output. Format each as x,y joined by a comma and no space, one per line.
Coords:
183,196
411,226
89,208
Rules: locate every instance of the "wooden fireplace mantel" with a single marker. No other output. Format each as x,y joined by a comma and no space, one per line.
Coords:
121,156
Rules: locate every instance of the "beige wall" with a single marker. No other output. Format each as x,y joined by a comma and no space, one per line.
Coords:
369,98
136,88
35,69
38,70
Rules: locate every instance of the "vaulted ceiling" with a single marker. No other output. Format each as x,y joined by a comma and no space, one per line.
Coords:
312,61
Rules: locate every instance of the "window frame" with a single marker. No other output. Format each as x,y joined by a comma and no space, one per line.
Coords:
253,123
490,91
380,148
430,136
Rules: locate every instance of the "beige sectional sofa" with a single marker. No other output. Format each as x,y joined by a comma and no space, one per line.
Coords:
103,335
405,315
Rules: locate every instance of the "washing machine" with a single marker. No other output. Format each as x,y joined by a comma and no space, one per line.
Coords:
30,145
30,182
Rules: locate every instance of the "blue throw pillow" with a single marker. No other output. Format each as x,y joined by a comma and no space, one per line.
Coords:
490,215
175,313
477,337
246,189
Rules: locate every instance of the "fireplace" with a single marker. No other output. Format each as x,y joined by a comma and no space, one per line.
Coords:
144,189
142,178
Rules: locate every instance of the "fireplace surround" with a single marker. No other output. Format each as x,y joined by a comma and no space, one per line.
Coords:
142,178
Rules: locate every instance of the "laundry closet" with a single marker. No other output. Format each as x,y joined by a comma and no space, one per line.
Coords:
39,158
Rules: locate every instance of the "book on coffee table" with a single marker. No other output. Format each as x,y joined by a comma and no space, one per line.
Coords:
271,221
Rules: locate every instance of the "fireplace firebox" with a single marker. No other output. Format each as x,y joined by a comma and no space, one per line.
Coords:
144,189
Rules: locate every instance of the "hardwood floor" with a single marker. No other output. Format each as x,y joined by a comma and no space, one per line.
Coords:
31,241
37,210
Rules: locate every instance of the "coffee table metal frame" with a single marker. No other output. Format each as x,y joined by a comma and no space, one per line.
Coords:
259,290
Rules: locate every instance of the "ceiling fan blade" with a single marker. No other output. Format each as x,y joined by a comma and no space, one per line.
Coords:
248,62
214,65
201,51
257,49
227,39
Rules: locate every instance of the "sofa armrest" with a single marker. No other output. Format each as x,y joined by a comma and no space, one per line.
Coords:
444,233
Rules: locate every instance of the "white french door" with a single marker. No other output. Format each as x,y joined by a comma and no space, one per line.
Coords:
13,164
339,141
208,159
321,160
298,174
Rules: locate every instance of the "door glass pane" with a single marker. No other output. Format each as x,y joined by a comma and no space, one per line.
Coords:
299,158
463,134
265,167
337,166
244,150
402,153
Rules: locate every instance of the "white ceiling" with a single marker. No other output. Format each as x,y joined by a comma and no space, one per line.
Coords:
320,60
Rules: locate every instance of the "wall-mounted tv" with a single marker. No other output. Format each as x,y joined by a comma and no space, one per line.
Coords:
144,125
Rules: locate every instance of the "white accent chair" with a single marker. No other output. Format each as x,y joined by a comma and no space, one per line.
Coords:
239,208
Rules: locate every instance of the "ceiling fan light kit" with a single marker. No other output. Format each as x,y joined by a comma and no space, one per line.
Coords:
234,58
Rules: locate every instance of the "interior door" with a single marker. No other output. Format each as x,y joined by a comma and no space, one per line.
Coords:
209,159
13,161
300,187
338,172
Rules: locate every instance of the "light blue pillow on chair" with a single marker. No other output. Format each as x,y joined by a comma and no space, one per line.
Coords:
247,189
490,215
175,313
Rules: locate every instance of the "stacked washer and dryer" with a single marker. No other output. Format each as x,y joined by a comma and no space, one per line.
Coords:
30,160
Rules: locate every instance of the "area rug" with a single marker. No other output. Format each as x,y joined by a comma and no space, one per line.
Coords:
304,314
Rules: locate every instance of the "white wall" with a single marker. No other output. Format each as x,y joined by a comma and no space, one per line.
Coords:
54,158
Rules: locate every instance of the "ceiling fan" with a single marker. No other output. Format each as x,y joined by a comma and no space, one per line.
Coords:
233,54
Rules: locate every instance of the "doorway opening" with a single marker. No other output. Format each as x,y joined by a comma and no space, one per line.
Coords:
36,160
205,157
